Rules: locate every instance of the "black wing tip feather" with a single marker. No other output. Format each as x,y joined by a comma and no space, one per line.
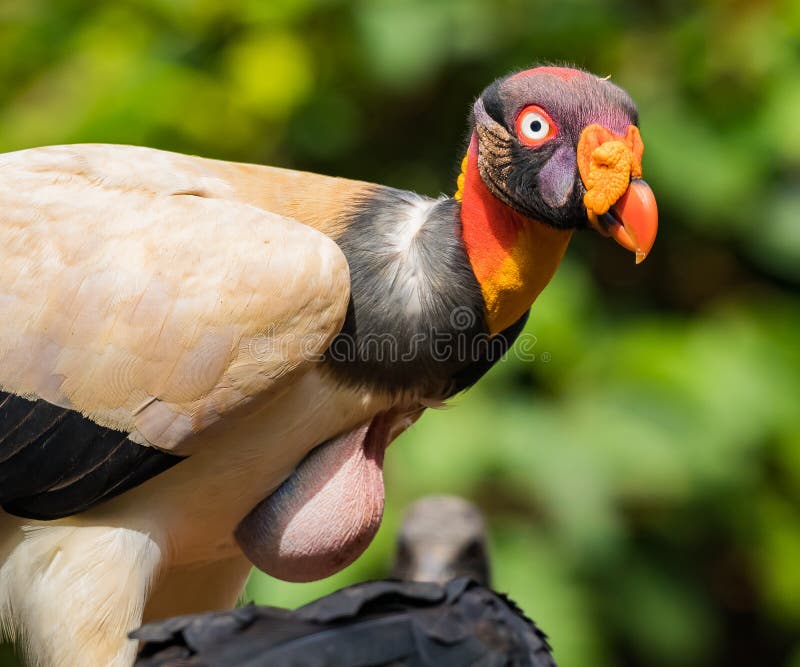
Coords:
366,625
55,462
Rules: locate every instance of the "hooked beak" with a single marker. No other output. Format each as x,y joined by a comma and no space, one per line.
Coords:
632,221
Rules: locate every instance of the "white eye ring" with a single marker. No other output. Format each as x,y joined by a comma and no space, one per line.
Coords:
534,126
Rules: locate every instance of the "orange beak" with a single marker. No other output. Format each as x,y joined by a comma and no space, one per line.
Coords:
632,221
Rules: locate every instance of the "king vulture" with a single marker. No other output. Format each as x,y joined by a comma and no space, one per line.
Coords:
203,362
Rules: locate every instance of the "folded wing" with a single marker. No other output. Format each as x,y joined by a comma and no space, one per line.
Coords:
142,304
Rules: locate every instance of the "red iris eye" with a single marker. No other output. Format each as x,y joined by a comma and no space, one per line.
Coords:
534,126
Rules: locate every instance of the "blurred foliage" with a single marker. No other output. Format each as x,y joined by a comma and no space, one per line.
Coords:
642,475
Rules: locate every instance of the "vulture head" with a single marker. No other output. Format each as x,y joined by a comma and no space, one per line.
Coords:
442,537
561,146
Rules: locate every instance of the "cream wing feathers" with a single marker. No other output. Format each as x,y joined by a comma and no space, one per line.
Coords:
139,293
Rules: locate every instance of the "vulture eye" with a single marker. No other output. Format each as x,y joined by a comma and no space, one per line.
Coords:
534,126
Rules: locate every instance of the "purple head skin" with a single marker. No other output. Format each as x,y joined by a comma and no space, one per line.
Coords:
542,182
557,177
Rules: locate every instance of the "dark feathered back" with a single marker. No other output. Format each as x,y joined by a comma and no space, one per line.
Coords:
55,462
367,625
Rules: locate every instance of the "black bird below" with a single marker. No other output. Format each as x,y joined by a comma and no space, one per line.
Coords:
437,611
373,624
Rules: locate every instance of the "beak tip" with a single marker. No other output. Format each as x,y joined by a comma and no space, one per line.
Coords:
637,216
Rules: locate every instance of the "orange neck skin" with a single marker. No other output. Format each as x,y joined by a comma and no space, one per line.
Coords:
512,256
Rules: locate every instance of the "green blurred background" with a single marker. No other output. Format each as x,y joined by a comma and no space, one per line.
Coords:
642,475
